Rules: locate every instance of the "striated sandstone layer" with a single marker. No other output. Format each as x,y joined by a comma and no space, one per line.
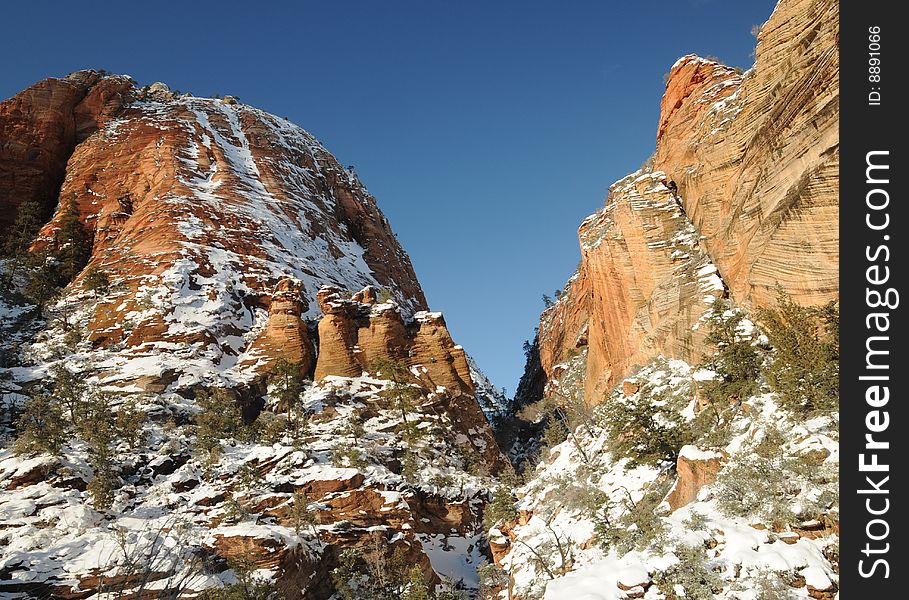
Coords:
754,158
39,129
356,331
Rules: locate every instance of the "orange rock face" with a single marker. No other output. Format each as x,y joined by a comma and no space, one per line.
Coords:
356,331
286,335
198,210
40,127
753,158
756,157
695,470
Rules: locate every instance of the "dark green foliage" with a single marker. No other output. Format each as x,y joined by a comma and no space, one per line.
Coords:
492,580
102,429
72,243
53,267
693,573
348,455
21,234
96,281
375,576
269,427
69,390
402,394
44,279
737,360
638,525
805,367
286,382
220,418
249,586
41,426
301,515
501,508
647,428
762,482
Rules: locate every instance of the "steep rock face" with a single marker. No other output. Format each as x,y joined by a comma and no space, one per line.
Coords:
645,282
356,331
198,208
754,160
756,157
40,127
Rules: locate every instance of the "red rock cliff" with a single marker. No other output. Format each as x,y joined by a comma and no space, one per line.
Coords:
754,157
198,209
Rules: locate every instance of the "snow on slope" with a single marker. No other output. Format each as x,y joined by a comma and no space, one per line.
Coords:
571,494
52,535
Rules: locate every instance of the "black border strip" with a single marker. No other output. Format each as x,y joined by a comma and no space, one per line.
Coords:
869,127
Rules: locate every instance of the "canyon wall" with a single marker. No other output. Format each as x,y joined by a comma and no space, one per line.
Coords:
740,199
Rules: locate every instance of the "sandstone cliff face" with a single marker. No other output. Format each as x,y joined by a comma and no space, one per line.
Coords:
644,283
40,127
198,209
754,157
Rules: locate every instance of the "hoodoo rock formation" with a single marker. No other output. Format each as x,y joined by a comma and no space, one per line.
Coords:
358,330
743,180
286,336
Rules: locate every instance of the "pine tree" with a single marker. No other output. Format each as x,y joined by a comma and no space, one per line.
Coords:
96,281
21,234
72,241
286,383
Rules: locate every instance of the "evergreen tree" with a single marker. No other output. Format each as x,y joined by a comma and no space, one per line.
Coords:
220,418
72,241
286,384
41,426
806,354
21,234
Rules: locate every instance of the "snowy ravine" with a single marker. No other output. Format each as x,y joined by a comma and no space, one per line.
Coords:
564,545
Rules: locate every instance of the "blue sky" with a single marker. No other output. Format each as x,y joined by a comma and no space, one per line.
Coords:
487,130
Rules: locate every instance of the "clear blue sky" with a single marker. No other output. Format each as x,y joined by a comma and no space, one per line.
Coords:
487,130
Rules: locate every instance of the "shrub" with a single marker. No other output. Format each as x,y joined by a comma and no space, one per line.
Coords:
41,426
375,576
302,516
69,390
219,418
805,367
130,424
248,476
737,361
693,573
501,508
763,482
492,581
648,427
638,525
269,427
249,585
348,455
96,281
286,382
